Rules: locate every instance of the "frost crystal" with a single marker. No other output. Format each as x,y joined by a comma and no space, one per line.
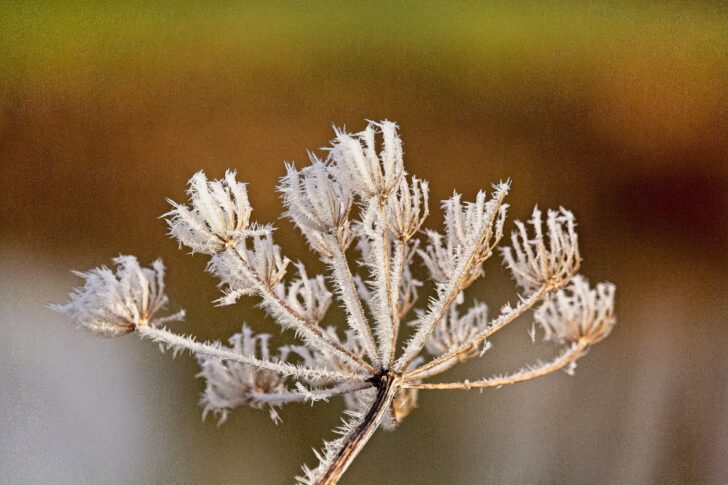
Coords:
360,193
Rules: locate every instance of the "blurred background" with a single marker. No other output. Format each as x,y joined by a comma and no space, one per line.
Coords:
616,110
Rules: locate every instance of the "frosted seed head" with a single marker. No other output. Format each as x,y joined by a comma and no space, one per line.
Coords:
218,214
367,171
314,199
407,208
230,384
242,269
114,303
456,330
472,230
546,258
578,312
308,297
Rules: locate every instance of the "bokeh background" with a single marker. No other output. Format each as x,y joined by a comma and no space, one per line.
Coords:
616,110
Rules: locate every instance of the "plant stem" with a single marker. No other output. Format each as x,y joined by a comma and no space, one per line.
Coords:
386,388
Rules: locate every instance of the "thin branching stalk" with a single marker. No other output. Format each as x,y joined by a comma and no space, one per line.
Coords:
497,324
347,291
177,342
565,358
289,317
397,269
449,293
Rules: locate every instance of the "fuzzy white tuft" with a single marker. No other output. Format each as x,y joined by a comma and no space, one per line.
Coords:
534,262
578,312
113,303
218,215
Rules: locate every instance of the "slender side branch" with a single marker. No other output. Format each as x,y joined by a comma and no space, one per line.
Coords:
180,342
492,327
449,291
309,395
383,307
397,268
567,357
348,295
291,318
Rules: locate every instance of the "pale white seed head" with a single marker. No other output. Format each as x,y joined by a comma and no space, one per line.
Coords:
308,297
407,208
367,170
242,269
457,329
548,258
475,227
115,302
230,384
314,199
578,312
218,214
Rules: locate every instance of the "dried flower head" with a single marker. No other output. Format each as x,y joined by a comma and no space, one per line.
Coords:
578,312
232,384
378,374
364,169
473,229
456,330
408,206
218,216
308,297
314,200
113,303
533,262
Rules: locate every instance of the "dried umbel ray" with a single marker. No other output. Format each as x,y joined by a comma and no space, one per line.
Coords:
359,193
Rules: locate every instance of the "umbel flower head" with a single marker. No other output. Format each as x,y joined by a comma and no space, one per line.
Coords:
113,303
358,196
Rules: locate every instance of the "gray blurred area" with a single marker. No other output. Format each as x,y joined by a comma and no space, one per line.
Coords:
617,111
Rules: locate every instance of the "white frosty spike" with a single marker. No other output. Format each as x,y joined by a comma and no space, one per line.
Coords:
113,303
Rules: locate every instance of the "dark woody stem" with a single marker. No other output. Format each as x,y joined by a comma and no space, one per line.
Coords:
387,385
